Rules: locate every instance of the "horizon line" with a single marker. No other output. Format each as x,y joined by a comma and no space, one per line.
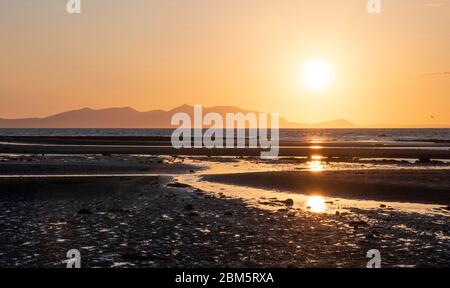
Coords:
356,126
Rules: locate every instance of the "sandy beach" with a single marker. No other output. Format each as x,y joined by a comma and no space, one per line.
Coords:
141,222
134,210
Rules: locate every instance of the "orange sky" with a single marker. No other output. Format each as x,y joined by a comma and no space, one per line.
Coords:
392,68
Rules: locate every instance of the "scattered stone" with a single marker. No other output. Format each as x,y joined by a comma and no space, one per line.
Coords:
85,212
194,214
228,213
424,160
179,185
189,207
134,256
140,256
370,236
359,223
118,210
289,202
291,214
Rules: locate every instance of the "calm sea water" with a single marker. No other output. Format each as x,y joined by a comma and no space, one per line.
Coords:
324,135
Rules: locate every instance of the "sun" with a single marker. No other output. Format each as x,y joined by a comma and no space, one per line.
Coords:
316,75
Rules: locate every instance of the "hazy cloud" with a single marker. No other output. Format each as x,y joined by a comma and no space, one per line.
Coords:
435,4
442,73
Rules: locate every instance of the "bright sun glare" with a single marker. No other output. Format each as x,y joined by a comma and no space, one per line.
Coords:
316,204
316,75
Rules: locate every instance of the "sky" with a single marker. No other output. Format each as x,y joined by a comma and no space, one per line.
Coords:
389,68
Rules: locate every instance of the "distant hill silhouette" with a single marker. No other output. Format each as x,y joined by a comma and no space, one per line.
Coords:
127,117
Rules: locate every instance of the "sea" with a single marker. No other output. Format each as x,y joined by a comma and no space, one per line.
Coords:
306,135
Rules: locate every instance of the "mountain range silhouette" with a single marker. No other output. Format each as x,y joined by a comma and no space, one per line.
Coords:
127,117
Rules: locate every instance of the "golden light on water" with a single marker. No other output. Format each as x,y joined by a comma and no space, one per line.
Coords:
316,204
315,147
316,157
316,164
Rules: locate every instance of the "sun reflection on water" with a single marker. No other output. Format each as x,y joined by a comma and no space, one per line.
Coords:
316,164
316,204
316,147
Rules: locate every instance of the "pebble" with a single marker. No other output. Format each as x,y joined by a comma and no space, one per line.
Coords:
85,212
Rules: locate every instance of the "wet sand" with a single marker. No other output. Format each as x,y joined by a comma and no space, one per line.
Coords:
161,146
140,219
32,164
142,222
415,186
